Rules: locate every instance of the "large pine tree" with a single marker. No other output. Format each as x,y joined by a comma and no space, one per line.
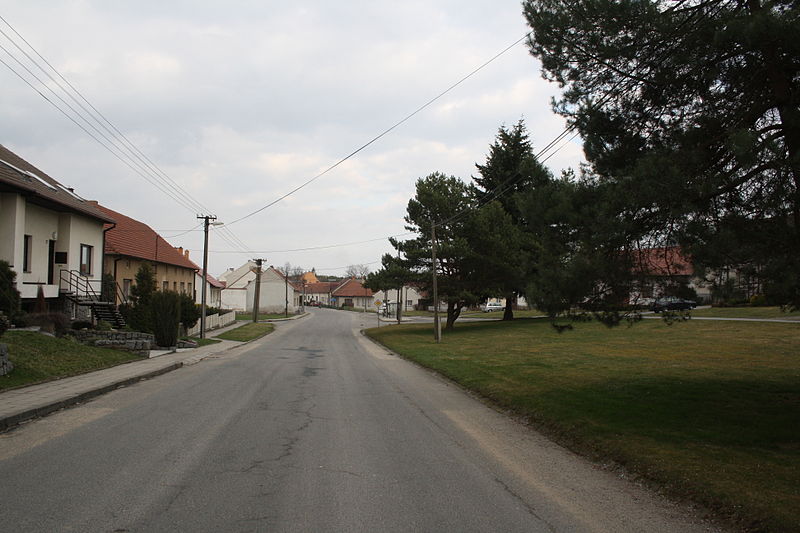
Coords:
693,109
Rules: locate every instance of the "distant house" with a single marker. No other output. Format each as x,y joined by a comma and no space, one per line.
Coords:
130,243
51,237
276,292
234,294
663,269
213,290
320,292
351,293
411,297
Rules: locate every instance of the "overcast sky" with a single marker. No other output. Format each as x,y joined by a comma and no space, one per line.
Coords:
239,102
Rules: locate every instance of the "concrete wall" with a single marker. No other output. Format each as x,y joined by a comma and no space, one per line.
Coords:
69,230
235,299
273,293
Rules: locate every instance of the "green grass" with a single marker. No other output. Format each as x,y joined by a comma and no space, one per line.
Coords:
709,410
203,342
247,332
518,313
745,312
38,358
262,316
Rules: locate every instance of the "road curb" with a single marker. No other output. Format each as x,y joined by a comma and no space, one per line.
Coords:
42,410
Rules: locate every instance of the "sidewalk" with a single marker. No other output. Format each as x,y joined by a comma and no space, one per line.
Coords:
18,405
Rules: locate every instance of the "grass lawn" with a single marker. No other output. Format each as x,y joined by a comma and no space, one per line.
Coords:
39,358
745,312
247,332
709,410
203,342
262,316
518,313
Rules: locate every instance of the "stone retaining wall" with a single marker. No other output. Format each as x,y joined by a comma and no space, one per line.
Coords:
127,340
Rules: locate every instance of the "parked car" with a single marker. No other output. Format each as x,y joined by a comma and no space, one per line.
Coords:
672,303
488,307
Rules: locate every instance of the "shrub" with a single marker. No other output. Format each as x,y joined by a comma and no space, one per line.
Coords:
758,300
9,295
190,311
166,311
56,323
102,325
5,323
140,316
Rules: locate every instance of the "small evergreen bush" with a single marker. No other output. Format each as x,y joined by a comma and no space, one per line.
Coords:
166,313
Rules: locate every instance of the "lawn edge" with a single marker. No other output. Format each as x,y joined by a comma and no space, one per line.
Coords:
717,513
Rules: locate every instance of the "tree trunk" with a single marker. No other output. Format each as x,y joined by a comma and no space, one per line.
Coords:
508,313
453,312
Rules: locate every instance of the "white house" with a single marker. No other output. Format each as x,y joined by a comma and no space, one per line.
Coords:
410,297
52,237
274,293
234,295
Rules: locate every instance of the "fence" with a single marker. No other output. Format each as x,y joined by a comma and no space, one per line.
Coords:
213,322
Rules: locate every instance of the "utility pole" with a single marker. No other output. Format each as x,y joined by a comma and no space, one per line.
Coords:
257,295
286,281
437,326
206,223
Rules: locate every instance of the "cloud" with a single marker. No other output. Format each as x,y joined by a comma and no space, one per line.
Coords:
241,102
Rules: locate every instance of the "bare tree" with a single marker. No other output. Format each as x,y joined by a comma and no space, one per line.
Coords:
357,271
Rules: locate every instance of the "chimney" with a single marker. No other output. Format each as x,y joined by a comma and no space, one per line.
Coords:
186,253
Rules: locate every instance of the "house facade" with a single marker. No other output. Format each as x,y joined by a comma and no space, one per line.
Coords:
351,293
661,270
130,243
276,293
410,297
234,294
48,234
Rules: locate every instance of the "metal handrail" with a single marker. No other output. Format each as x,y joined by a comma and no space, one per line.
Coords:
78,285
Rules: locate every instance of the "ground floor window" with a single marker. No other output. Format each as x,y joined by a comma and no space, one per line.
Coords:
86,260
26,253
126,287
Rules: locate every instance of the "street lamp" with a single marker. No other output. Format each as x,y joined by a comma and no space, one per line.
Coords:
207,221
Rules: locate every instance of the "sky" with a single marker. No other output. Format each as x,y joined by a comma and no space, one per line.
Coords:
240,102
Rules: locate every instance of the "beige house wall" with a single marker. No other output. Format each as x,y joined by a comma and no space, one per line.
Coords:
177,279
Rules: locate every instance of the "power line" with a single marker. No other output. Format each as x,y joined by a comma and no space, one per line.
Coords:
385,132
126,151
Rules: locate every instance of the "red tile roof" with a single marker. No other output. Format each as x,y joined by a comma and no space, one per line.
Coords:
322,287
16,174
136,239
665,261
351,288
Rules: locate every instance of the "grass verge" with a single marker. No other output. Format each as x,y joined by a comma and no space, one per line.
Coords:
203,342
247,332
745,312
262,316
38,358
708,410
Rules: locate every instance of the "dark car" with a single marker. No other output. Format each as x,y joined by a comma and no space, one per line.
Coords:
672,303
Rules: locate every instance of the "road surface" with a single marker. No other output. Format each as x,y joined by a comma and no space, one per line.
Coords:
311,428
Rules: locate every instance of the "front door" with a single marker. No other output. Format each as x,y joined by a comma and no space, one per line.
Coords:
51,261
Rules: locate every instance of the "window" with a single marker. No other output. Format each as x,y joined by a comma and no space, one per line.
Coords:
126,287
175,286
183,287
165,285
189,288
26,254
86,260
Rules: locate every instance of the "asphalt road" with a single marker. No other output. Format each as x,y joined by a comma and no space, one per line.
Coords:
311,428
